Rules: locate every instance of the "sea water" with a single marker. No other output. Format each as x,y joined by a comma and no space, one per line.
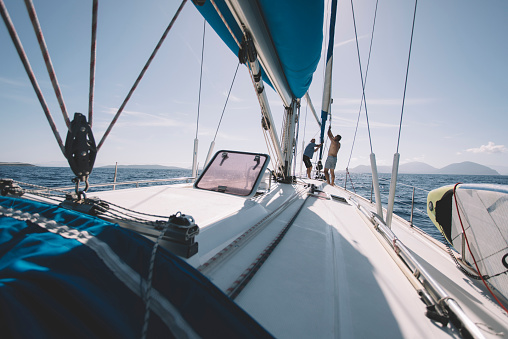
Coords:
422,184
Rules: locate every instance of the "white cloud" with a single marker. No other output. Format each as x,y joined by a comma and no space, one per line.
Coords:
232,97
381,102
275,103
345,42
420,158
12,82
343,122
489,148
144,119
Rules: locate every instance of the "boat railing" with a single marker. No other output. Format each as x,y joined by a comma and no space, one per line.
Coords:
398,198
137,183
431,292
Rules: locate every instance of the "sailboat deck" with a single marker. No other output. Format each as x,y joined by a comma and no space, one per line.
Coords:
328,277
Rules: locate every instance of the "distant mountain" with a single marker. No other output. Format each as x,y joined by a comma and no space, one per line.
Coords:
361,169
463,168
144,167
467,168
417,168
503,170
410,168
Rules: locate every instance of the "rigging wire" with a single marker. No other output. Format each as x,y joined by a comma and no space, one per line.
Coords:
47,59
303,140
305,123
30,73
295,148
143,71
271,150
361,76
225,23
226,103
269,143
366,74
201,76
407,72
93,53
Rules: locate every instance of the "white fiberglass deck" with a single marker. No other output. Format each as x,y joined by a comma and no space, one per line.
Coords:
329,277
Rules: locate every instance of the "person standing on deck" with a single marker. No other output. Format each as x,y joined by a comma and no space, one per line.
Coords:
331,161
309,153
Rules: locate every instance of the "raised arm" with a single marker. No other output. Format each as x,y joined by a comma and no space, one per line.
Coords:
330,135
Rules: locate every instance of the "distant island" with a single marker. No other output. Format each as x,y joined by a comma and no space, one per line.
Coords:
15,164
145,167
462,168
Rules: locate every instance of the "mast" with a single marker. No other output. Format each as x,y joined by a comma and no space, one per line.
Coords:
258,50
248,55
327,91
288,138
267,59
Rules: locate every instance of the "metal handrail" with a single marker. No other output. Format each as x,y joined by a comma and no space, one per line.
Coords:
135,182
434,289
413,208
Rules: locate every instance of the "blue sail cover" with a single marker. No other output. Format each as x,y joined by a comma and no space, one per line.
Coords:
327,91
296,28
68,275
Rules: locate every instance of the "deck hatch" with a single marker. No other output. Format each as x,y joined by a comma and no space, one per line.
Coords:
233,172
339,199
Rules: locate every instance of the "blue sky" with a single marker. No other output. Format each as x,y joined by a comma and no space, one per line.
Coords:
456,105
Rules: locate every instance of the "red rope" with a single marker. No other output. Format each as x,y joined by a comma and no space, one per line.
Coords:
470,252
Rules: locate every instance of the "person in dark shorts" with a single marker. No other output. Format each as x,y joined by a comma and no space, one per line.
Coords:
309,153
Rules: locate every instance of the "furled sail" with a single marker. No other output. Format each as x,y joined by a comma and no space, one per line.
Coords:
327,91
295,31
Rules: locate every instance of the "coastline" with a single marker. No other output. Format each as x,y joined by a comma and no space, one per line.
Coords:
16,164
